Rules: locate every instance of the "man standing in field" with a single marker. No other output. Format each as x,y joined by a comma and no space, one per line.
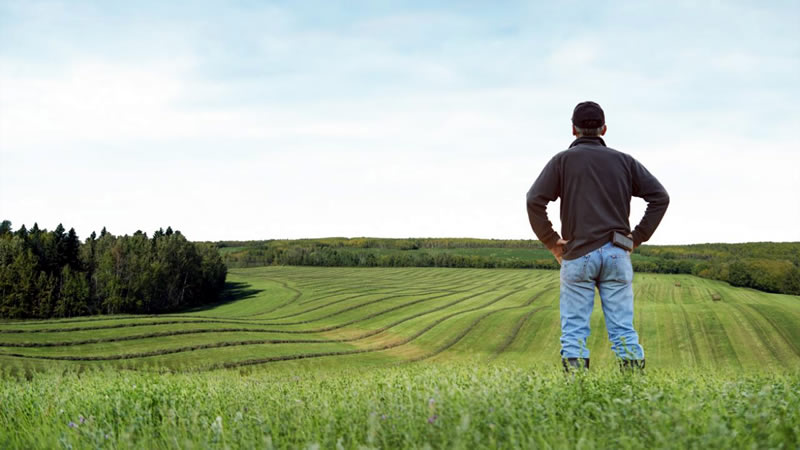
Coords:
595,184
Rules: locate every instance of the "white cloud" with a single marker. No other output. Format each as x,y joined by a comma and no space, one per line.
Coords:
90,102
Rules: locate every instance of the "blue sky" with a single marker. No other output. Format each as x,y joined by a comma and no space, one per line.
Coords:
258,120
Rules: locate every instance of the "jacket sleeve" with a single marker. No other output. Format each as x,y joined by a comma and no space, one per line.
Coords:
545,189
646,186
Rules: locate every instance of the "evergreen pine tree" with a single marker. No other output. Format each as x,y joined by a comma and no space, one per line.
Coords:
58,233
72,247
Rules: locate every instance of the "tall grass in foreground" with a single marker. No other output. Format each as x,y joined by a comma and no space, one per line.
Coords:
453,406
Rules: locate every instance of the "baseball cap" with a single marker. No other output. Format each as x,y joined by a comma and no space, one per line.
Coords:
588,115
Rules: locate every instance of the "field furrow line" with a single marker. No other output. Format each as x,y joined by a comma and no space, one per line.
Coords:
169,351
692,344
76,320
315,308
405,341
239,330
120,325
760,332
135,337
725,341
215,344
791,343
395,308
250,330
355,307
471,326
297,295
260,321
362,291
347,282
406,319
514,333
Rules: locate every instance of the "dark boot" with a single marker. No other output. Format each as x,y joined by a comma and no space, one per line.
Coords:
631,365
572,364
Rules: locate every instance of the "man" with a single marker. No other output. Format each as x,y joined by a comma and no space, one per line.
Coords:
595,184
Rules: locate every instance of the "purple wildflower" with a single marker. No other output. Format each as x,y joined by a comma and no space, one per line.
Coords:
432,418
72,424
81,419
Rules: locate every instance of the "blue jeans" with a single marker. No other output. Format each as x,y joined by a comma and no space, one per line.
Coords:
609,268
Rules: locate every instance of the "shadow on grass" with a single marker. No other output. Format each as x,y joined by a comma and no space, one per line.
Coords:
233,291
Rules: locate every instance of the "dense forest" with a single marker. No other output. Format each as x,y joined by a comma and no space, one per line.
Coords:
766,266
53,274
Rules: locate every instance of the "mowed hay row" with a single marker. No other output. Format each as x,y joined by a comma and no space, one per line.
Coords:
453,327
282,315
132,334
354,307
411,335
168,344
486,335
384,327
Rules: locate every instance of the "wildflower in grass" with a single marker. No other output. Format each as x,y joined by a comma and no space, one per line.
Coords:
216,426
72,424
432,418
81,419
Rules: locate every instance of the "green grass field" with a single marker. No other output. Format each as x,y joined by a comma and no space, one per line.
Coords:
361,343
275,314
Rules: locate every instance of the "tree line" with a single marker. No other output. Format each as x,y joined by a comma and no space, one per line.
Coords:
53,274
766,266
389,243
369,257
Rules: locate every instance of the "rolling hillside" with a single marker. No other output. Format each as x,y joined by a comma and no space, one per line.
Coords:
290,317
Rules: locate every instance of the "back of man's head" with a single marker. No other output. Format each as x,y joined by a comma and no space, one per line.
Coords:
588,119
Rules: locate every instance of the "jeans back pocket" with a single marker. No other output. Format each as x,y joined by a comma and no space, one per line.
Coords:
574,270
622,269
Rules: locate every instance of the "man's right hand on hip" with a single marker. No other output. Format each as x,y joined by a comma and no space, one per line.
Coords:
558,249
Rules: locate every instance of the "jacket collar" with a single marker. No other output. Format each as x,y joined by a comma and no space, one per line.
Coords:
591,140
